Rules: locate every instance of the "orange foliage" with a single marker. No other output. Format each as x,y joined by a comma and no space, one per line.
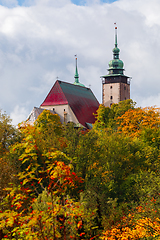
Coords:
56,216
131,228
134,121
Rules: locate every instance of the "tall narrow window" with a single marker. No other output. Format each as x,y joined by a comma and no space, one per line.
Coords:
111,97
65,116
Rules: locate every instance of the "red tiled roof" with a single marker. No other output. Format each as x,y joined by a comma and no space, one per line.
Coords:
81,100
56,96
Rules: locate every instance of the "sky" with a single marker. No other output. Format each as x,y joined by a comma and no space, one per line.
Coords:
39,39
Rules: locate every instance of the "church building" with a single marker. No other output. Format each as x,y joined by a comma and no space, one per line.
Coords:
115,85
77,103
72,102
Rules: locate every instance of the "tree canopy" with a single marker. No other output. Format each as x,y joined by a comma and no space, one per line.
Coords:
60,182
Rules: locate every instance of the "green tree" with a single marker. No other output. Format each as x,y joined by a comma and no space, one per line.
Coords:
107,117
8,167
45,170
50,129
49,123
8,133
118,164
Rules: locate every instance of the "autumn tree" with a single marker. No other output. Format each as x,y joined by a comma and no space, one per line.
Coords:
107,117
8,133
76,184
134,121
50,128
46,203
50,215
8,168
143,228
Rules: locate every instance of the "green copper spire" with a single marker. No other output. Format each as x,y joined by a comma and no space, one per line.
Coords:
76,76
116,37
116,65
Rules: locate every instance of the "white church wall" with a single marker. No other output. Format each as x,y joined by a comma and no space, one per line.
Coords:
64,111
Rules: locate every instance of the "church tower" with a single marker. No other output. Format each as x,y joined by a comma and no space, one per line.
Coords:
115,85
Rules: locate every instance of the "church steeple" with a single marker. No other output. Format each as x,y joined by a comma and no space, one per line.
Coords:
116,49
116,86
116,37
116,65
76,76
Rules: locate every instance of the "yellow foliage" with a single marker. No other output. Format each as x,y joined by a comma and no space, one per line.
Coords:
134,121
143,228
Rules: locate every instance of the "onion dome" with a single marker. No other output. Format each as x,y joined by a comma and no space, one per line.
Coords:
116,65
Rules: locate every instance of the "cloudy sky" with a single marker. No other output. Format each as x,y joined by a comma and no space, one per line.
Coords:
39,38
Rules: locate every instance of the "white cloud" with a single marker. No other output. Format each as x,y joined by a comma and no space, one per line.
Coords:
147,8
19,114
38,44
